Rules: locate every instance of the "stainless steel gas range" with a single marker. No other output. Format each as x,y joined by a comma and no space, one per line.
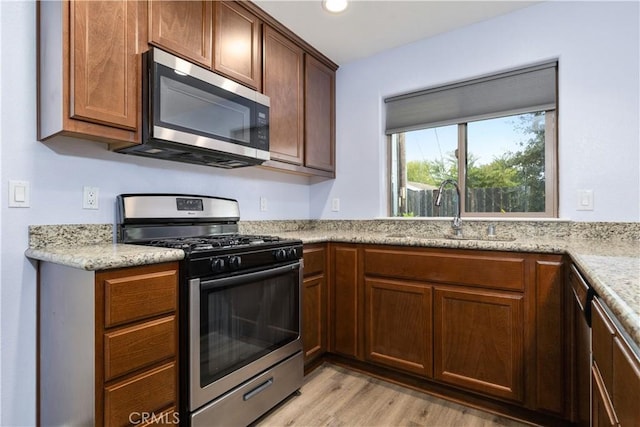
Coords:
240,303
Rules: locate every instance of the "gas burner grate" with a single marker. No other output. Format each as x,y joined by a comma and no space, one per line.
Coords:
203,243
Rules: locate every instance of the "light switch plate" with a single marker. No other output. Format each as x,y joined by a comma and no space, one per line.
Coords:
19,194
585,200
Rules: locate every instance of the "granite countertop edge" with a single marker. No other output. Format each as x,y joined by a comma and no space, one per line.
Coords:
602,272
104,256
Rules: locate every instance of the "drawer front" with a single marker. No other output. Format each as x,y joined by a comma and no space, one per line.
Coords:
579,286
314,260
138,297
489,271
151,392
138,346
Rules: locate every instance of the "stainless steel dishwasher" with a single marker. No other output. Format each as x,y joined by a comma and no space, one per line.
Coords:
581,296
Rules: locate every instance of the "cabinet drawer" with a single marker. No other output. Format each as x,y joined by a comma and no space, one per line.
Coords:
489,271
150,392
138,297
138,346
314,260
579,286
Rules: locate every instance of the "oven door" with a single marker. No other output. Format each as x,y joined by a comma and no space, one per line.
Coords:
241,326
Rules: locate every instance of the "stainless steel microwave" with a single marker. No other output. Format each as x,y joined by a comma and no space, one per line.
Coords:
193,115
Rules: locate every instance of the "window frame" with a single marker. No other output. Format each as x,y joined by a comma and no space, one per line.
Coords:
550,168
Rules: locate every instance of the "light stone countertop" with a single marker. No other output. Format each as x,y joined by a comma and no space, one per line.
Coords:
607,255
611,267
104,256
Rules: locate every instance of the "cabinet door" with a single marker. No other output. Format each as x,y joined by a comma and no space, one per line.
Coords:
602,414
283,84
478,341
345,294
183,27
237,44
551,388
314,317
398,325
105,65
319,104
626,384
314,302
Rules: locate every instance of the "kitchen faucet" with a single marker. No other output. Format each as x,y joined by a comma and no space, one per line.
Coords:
456,224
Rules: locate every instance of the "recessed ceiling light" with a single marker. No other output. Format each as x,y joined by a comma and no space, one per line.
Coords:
334,6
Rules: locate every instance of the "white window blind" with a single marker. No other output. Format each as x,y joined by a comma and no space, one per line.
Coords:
513,92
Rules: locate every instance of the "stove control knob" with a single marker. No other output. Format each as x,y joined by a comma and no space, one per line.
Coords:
281,254
235,262
217,265
292,253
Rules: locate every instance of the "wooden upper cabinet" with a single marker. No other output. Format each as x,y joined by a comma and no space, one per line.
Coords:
90,69
283,84
237,44
183,27
104,62
319,104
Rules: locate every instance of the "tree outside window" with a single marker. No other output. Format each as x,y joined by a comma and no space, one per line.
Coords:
504,166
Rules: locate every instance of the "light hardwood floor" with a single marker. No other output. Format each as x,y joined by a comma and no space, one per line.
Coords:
334,396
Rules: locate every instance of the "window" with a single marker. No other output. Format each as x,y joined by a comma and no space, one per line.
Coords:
494,136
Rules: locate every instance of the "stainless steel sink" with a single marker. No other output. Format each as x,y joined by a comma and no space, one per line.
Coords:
485,238
398,235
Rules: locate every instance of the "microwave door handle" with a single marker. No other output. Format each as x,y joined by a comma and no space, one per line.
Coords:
248,277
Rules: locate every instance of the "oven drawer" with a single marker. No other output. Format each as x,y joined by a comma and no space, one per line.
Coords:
150,392
253,398
138,346
138,297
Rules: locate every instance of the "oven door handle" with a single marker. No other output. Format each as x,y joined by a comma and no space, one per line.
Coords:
248,277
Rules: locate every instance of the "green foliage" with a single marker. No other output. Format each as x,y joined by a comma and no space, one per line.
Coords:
521,169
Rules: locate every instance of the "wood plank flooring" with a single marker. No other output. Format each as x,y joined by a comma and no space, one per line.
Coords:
335,396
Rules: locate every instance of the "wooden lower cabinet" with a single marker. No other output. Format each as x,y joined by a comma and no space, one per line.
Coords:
314,302
108,345
580,348
346,301
615,372
398,325
484,323
479,341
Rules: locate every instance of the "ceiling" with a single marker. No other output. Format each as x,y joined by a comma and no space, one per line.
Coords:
371,26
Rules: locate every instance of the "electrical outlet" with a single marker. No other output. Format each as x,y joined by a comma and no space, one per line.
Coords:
90,197
263,204
335,204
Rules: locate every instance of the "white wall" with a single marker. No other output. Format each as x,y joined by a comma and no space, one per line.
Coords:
57,173
597,45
